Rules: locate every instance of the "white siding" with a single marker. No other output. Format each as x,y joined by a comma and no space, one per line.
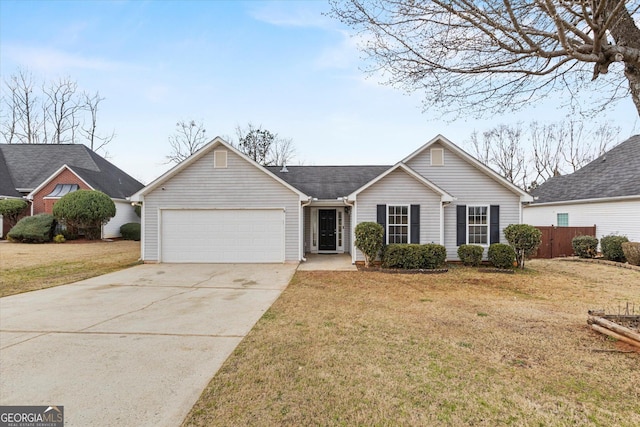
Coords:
469,186
400,188
615,217
125,213
240,185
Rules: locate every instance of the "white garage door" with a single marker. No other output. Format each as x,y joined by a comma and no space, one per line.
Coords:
222,235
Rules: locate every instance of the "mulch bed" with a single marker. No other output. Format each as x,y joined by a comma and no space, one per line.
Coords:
401,271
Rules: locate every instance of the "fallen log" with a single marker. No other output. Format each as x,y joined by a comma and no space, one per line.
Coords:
615,335
621,330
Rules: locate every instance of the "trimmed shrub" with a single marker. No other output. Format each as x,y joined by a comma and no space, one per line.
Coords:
470,255
585,246
631,252
59,238
524,239
33,229
414,257
85,211
434,255
11,209
502,256
369,240
611,247
402,255
130,231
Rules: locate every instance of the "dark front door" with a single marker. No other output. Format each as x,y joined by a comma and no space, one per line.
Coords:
327,229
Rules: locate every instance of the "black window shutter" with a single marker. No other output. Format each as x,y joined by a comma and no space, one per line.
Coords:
382,220
415,224
494,230
461,224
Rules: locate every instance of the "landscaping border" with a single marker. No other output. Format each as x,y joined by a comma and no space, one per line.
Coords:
601,261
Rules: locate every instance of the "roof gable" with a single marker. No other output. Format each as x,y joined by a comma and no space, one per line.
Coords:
53,176
616,173
473,162
215,143
29,165
444,196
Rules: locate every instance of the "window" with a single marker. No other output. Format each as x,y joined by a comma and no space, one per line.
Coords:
219,159
398,224
437,157
478,225
563,219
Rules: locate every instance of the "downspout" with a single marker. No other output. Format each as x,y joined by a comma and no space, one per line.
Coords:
301,239
353,236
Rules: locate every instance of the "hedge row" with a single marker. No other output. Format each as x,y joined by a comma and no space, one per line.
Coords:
413,256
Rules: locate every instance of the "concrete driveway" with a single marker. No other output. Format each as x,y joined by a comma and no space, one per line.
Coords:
135,347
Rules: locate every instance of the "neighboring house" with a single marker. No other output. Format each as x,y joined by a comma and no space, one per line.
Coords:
604,193
43,173
220,206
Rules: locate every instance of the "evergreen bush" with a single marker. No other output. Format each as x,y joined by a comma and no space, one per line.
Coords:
502,256
33,229
86,211
611,247
130,231
524,239
413,257
585,246
470,255
369,237
631,252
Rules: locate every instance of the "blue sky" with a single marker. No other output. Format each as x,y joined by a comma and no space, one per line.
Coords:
282,65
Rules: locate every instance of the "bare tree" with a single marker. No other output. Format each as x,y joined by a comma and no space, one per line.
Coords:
61,110
95,141
188,138
503,149
499,55
57,114
21,123
283,151
530,157
546,150
263,146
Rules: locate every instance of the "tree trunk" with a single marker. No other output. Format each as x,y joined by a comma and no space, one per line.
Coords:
627,34
633,75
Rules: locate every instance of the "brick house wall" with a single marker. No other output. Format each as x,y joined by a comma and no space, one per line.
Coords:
42,205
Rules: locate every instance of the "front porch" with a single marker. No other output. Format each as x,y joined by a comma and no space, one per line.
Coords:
327,228
327,262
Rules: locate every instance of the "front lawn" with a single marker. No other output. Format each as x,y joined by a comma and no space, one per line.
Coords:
461,348
30,266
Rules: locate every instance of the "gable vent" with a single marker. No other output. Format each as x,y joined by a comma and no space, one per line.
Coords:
437,157
220,159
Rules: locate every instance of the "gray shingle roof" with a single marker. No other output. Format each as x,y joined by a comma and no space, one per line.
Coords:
614,174
328,182
29,165
7,189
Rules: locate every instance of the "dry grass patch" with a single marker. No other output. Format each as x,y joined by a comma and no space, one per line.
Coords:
27,267
463,348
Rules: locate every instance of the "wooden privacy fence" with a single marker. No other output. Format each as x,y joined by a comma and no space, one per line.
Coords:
556,241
